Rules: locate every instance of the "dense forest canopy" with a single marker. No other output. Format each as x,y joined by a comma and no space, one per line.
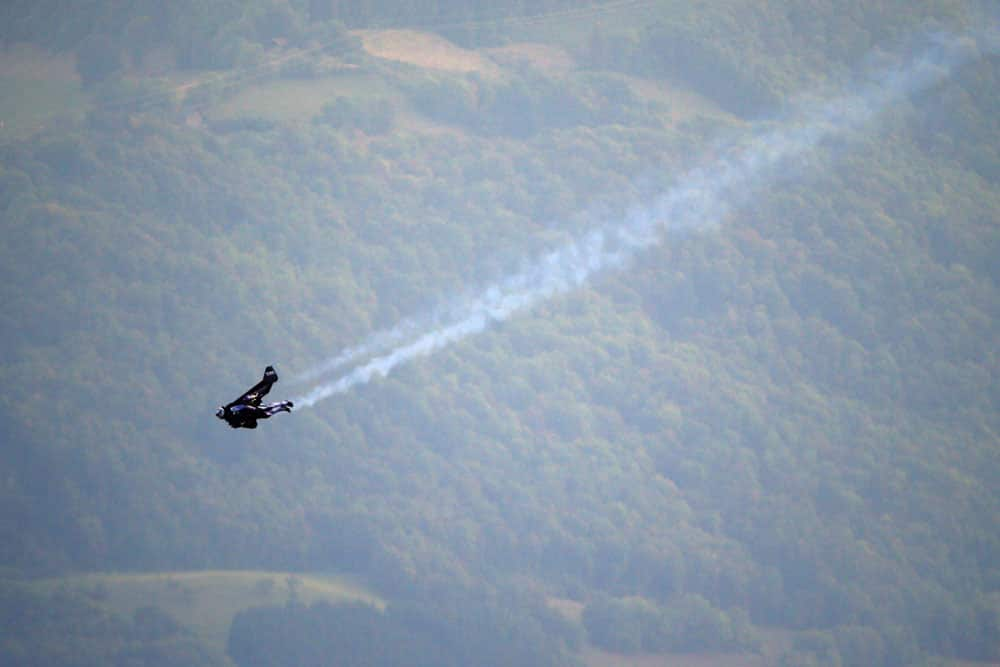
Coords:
774,437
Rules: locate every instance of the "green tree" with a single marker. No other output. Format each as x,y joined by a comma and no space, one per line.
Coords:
98,58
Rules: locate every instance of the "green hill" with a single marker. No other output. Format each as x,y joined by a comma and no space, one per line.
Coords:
784,425
205,602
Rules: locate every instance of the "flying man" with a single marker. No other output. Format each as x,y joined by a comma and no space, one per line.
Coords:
246,410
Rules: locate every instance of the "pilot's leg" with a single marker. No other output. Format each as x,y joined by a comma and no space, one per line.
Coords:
275,408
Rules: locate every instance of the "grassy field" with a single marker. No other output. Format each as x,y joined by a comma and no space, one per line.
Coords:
206,601
298,100
595,658
424,50
42,88
775,644
38,87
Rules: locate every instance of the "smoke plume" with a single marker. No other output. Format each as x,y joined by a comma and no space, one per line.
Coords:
696,201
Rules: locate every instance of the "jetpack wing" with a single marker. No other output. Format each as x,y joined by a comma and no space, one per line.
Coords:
255,393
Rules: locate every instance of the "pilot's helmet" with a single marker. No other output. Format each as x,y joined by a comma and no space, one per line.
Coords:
221,412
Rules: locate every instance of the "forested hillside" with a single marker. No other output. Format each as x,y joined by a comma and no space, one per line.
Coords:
774,437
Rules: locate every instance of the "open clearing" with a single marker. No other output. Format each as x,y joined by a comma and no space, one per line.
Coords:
424,49
37,88
596,658
298,100
206,601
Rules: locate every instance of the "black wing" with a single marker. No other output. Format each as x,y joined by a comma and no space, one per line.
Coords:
259,390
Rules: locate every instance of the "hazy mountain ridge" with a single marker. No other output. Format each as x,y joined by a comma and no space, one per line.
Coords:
780,420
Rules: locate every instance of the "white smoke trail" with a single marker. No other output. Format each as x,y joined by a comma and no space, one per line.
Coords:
378,341
696,201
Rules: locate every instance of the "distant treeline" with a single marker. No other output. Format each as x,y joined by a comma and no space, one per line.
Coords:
713,50
108,35
446,630
68,628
